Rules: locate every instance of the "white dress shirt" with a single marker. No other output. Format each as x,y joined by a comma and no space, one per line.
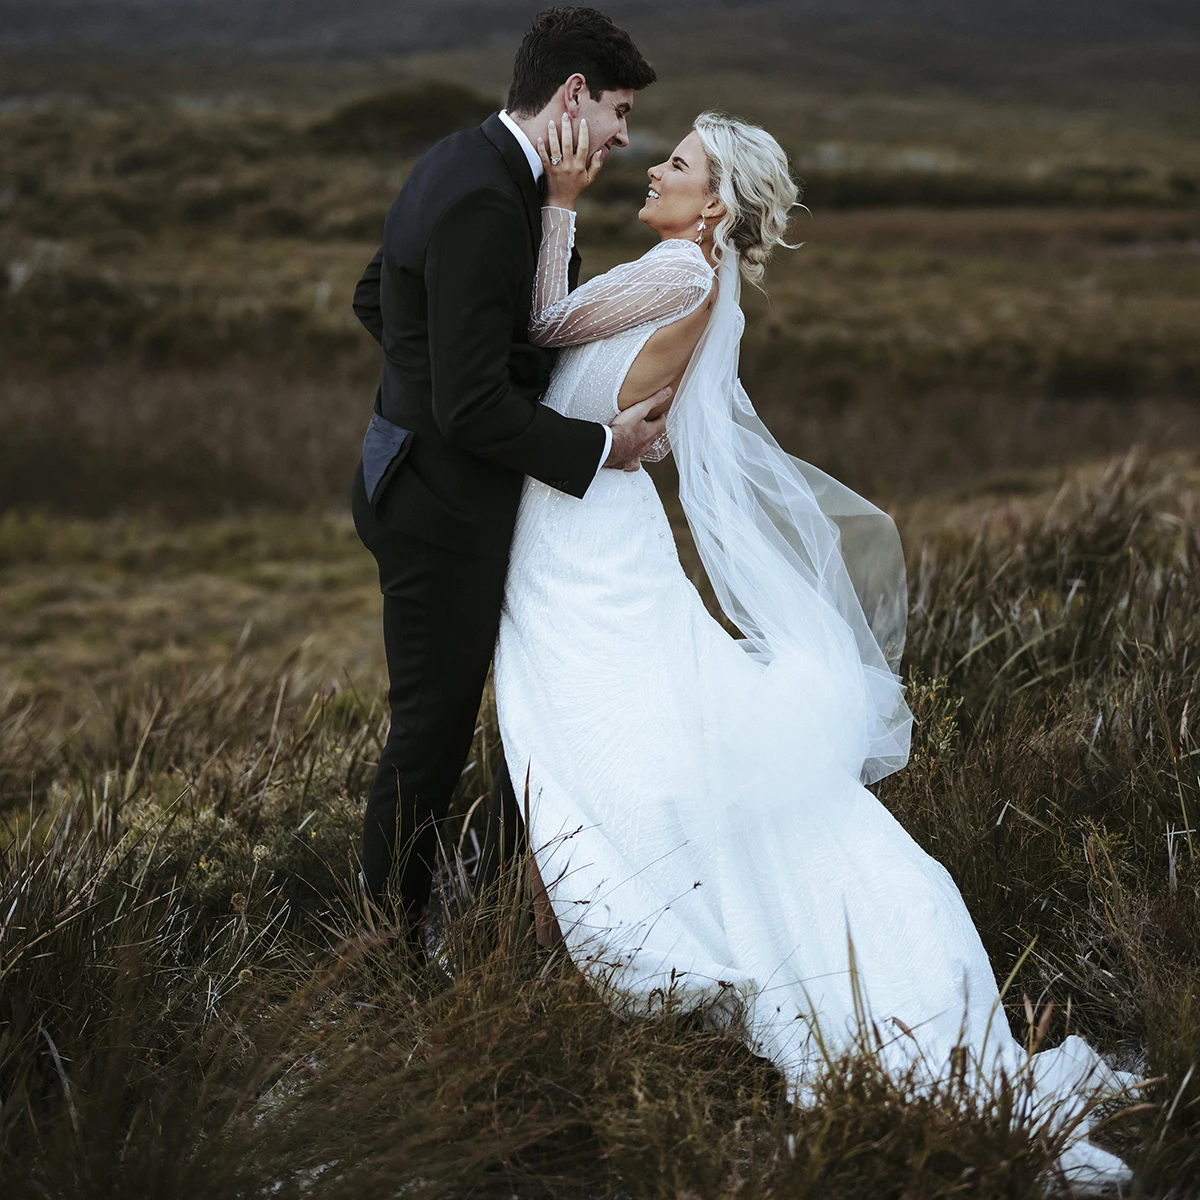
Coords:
535,165
531,155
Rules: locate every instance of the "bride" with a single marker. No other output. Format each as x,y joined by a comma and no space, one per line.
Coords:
697,809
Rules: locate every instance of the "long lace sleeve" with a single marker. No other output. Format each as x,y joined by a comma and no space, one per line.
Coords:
666,283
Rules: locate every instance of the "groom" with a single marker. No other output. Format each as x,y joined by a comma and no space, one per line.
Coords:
458,423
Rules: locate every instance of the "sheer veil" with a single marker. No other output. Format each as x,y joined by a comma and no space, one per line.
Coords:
795,558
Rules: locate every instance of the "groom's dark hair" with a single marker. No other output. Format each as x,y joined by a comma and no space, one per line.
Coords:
563,41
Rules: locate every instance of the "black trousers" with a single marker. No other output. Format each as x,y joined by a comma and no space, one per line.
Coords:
441,613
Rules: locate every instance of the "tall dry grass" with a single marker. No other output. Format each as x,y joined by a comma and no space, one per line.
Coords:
193,1000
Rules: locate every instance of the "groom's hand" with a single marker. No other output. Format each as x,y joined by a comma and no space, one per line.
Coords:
634,432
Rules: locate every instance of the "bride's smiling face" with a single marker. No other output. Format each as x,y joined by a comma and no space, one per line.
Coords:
678,195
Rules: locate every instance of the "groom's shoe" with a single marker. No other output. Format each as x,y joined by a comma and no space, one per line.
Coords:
444,905
386,926
421,944
418,934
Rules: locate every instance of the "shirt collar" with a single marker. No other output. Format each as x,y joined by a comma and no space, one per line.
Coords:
531,155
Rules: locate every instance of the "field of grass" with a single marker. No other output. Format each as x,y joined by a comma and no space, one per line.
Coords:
985,288
995,301
190,1005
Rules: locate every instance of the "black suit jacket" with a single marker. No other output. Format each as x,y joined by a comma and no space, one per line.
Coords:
448,297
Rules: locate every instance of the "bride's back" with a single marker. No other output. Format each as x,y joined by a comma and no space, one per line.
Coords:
665,356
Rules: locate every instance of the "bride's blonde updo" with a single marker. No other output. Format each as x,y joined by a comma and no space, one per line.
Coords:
748,173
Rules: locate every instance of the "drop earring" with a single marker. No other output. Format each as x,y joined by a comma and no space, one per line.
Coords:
700,230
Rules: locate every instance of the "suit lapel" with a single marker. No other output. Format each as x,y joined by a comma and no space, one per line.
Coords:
499,135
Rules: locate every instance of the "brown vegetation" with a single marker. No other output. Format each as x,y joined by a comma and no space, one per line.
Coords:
189,709
176,328
191,1004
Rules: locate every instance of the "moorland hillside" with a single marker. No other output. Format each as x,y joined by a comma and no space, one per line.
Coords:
1110,52
369,25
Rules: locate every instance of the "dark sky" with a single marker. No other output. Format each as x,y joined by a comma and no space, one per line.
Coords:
370,26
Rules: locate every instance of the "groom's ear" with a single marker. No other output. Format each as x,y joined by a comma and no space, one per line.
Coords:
573,90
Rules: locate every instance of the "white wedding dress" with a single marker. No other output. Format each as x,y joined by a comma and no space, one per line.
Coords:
696,801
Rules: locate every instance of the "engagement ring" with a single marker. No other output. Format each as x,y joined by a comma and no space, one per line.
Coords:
555,161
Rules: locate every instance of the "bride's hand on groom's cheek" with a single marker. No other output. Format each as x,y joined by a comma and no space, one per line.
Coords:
568,162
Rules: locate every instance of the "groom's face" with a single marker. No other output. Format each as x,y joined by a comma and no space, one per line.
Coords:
606,118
